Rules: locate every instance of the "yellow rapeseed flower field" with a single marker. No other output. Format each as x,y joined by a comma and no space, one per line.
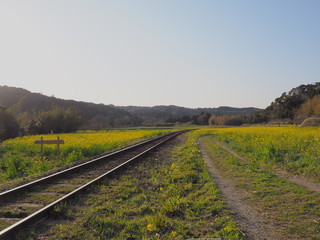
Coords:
21,157
295,148
89,143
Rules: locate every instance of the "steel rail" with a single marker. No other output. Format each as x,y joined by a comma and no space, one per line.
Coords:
10,232
17,190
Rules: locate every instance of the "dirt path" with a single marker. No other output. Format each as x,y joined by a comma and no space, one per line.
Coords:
254,226
297,179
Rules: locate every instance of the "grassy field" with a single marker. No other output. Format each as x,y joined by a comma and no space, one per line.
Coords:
166,196
293,148
20,157
292,210
173,197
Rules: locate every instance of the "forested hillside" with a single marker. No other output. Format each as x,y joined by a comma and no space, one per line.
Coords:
26,104
297,104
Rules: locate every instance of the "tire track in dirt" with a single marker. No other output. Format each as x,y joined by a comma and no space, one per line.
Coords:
250,221
297,179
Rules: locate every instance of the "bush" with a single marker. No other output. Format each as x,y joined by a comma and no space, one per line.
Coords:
9,128
15,166
226,120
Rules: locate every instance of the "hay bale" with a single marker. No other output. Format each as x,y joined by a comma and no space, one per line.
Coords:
311,122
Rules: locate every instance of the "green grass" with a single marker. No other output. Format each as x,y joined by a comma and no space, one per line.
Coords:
295,210
164,197
293,148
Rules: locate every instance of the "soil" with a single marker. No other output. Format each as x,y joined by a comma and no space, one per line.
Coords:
249,220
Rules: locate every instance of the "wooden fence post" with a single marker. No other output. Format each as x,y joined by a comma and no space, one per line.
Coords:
41,151
42,142
58,148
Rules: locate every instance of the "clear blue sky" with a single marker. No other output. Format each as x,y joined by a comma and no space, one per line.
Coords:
165,52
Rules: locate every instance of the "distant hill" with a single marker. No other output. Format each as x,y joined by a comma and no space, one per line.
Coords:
21,101
25,104
162,113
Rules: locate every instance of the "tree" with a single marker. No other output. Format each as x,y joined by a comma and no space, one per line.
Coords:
183,119
201,119
32,127
57,120
9,128
288,104
231,120
310,107
258,117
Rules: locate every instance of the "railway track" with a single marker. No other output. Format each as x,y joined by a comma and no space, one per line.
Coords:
30,203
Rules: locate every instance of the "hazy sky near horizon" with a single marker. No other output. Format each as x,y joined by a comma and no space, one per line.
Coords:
204,53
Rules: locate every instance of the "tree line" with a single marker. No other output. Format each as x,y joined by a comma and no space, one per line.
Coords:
55,120
205,118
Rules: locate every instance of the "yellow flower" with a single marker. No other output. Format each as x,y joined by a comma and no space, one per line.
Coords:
228,228
174,233
150,227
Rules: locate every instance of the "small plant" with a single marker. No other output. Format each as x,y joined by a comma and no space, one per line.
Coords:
63,211
73,157
15,166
